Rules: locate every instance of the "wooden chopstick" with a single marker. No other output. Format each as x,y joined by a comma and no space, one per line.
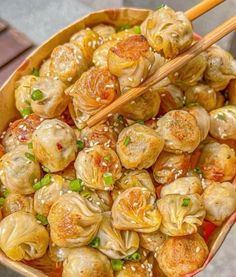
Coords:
170,67
201,8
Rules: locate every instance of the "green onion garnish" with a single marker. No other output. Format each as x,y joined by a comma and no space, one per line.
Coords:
26,111
107,158
140,121
45,169
42,219
134,257
30,156
80,144
185,202
120,118
37,95
85,193
137,29
6,193
76,185
46,180
30,145
221,116
108,179
2,200
197,170
124,27
127,140
117,265
35,72
160,6
95,243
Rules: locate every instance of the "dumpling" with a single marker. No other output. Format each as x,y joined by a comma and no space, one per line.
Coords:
58,254
23,92
123,34
98,167
86,262
47,195
202,117
114,243
15,202
137,269
167,31
180,132
223,122
217,162
203,94
73,220
135,209
152,241
101,200
170,166
87,40
67,62
20,132
221,68
100,55
181,214
68,173
183,186
138,146
19,170
48,99
131,60
54,144
220,202
44,70
104,31
22,238
181,255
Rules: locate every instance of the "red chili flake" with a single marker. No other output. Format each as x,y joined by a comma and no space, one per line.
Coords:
59,146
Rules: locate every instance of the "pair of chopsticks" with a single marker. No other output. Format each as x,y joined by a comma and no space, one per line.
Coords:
175,64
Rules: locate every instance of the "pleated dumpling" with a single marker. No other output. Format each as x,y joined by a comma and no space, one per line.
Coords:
100,55
114,243
220,202
167,31
181,214
104,31
73,220
22,237
152,241
135,209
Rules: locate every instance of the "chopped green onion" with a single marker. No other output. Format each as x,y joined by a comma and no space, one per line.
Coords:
127,140
80,144
2,200
37,95
160,6
124,27
46,180
117,265
107,158
26,111
137,29
6,193
42,219
108,179
35,72
27,102
120,118
76,185
197,170
140,121
85,193
185,202
45,169
95,243
134,257
30,145
195,104
30,156
221,116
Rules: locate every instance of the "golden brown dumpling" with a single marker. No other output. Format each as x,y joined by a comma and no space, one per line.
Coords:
54,144
167,31
203,94
138,146
67,62
170,166
135,209
19,169
98,167
104,31
217,162
74,221
114,243
181,255
221,68
87,40
48,99
183,186
23,91
15,202
86,262
181,214
137,269
180,131
101,53
152,241
223,122
22,238
220,202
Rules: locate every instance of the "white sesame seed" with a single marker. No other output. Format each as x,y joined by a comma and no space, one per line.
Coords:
133,268
197,249
98,99
69,79
42,201
130,79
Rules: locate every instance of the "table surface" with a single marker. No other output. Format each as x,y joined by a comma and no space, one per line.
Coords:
42,18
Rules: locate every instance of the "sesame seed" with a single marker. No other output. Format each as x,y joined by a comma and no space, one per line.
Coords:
69,79
69,191
130,79
197,249
42,201
133,268
98,99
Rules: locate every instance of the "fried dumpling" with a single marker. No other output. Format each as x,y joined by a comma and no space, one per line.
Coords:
86,262
136,269
170,166
135,209
100,55
98,167
152,241
167,31
138,146
73,220
181,214
217,162
180,131
181,255
220,202
54,144
22,238
104,31
19,169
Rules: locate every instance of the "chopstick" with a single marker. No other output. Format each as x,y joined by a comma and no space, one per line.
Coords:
170,67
